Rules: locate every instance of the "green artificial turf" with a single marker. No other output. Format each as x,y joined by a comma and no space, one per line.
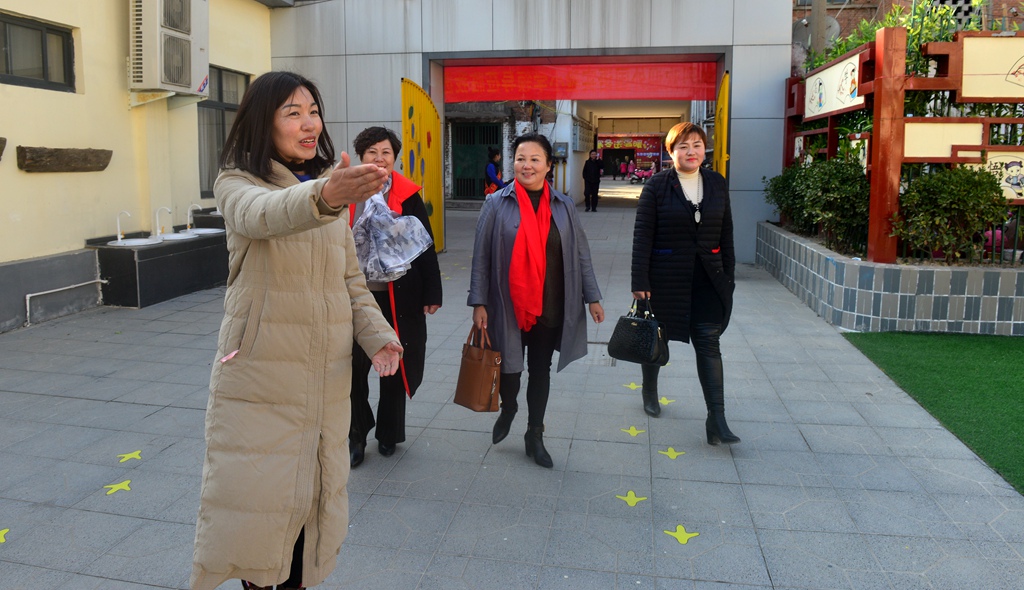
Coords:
973,385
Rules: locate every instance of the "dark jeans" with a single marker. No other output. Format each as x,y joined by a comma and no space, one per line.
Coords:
590,194
539,344
705,339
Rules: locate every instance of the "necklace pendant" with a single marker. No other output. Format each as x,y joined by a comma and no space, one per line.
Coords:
696,216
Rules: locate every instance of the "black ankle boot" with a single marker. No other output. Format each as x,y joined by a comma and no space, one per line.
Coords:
501,426
718,430
535,447
650,390
357,451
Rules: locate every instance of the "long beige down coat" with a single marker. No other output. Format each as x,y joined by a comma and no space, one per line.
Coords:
277,421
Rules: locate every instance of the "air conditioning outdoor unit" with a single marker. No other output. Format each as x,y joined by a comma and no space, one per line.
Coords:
169,42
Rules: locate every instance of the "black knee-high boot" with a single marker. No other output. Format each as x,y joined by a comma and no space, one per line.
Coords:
709,369
650,389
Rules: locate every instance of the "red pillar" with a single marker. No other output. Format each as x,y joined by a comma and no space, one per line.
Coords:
886,141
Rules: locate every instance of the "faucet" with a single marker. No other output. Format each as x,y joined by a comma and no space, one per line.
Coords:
156,220
191,208
120,236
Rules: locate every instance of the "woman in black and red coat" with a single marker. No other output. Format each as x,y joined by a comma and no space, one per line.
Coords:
405,303
684,263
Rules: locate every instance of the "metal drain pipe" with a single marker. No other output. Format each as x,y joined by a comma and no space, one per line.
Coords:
29,296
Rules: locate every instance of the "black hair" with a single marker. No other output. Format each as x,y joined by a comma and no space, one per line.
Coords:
250,143
491,152
536,138
374,135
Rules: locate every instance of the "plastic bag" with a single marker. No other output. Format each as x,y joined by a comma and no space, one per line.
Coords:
386,242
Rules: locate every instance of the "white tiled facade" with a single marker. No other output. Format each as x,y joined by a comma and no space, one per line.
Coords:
358,51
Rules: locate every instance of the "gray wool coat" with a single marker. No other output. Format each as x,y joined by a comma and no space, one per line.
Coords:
492,254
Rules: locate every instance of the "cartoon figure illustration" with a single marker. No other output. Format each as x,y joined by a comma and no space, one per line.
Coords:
1014,177
815,96
848,84
1016,74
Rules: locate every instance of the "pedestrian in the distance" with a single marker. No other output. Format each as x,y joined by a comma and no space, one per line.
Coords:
592,170
684,265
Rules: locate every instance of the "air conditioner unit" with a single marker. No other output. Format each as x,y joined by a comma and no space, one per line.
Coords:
169,46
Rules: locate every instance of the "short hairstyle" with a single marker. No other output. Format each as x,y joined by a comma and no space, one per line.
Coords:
536,138
373,135
250,143
681,131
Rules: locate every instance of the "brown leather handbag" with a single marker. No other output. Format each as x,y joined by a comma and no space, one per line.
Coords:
480,373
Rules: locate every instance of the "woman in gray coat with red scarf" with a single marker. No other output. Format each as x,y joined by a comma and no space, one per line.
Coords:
531,275
684,265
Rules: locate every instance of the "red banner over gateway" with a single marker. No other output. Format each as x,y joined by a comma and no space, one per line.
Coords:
640,81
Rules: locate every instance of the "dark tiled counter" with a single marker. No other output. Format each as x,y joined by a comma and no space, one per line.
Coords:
139,276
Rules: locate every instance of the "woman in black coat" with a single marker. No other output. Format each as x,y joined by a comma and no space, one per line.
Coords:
410,298
684,265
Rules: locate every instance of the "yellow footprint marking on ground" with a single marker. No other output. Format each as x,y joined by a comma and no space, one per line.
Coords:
131,455
631,499
632,431
665,401
117,487
672,453
633,386
3,533
681,535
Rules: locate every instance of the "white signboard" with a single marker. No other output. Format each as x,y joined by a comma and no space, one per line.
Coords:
833,89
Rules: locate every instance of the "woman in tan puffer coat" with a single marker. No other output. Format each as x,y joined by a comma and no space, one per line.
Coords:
274,505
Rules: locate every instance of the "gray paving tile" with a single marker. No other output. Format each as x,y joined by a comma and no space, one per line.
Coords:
155,554
72,540
16,576
64,484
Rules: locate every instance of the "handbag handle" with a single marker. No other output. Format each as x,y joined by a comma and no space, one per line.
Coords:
478,338
648,313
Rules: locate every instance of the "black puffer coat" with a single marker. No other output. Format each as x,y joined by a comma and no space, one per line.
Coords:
667,244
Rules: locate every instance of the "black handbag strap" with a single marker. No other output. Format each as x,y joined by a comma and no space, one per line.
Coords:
647,311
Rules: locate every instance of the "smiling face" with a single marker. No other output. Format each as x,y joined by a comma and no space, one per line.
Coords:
531,165
688,153
297,126
382,154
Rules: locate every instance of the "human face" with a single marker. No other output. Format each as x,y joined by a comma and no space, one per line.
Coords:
297,126
381,154
531,165
688,153
593,155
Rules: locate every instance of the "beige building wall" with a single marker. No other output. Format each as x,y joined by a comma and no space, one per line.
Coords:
155,160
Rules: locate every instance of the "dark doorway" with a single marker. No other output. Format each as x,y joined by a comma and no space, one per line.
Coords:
469,156
613,157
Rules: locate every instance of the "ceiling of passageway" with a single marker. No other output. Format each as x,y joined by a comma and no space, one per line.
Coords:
608,109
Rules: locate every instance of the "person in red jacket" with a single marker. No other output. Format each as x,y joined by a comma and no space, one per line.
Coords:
405,303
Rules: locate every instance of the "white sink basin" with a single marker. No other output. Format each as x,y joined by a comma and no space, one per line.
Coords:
203,230
180,236
135,242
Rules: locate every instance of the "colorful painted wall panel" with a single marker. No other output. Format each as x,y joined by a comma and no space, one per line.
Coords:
993,68
421,142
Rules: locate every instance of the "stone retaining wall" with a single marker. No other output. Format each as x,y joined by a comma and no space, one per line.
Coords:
869,297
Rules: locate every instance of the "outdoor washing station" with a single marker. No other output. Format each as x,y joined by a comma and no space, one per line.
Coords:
139,269
876,294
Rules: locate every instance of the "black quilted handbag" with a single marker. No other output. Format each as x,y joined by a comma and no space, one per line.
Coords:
639,339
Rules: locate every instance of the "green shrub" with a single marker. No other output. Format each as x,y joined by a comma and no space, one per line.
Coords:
837,195
783,192
831,196
944,211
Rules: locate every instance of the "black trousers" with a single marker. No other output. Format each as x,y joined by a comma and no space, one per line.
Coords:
390,422
539,346
590,194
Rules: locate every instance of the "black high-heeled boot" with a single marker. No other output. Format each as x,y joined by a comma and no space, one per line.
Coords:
501,426
535,446
650,390
709,369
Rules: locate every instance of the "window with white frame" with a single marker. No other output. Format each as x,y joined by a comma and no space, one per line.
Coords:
36,54
216,115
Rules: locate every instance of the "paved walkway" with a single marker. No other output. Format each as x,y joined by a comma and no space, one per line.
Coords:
841,481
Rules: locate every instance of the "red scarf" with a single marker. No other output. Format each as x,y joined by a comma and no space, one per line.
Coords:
529,258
